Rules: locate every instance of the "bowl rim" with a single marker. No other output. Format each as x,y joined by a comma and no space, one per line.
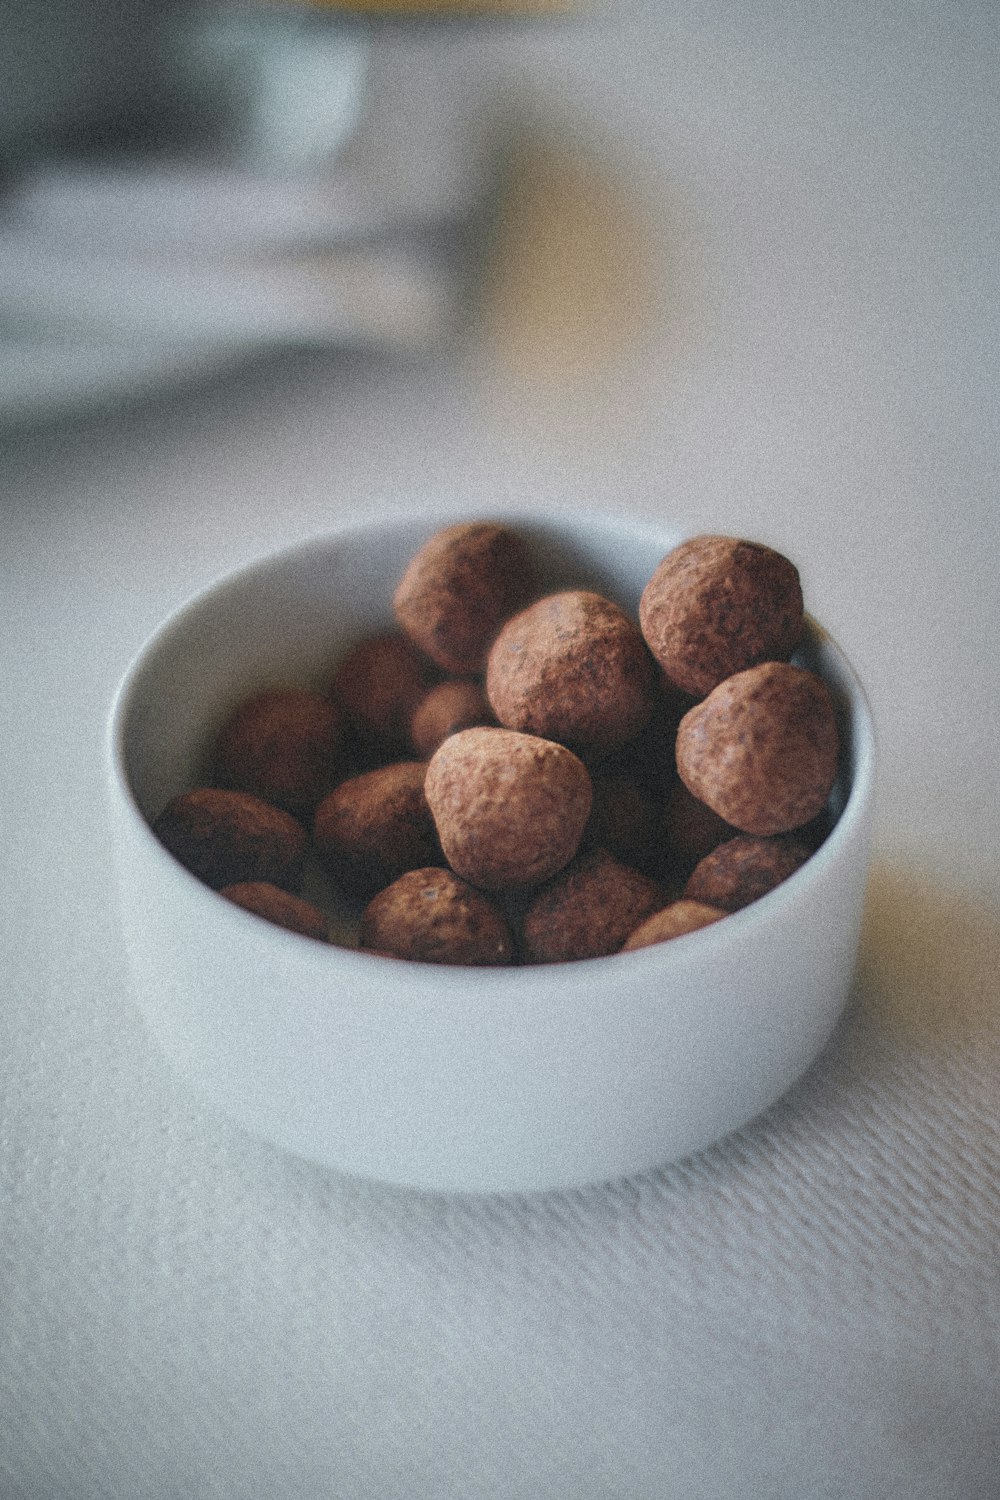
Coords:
645,530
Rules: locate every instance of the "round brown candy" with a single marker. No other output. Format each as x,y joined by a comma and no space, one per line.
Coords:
588,910
717,605
743,869
278,906
444,710
572,667
510,808
434,917
761,750
281,745
625,819
225,837
670,922
374,826
459,588
379,683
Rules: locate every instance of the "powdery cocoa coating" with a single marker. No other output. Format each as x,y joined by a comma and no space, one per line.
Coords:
445,709
588,910
278,906
743,869
226,837
717,605
510,808
672,921
572,667
762,748
379,683
433,916
281,745
459,588
374,826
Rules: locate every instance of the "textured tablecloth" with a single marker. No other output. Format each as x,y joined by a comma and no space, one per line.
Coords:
747,279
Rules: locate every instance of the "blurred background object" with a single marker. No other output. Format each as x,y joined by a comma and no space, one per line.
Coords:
187,184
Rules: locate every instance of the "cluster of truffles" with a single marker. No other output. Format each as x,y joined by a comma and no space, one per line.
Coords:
513,776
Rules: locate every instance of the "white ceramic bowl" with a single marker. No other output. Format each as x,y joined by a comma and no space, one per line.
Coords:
459,1078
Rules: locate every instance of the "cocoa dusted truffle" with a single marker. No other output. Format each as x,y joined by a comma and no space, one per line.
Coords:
225,837
374,826
588,910
745,868
717,605
278,906
281,745
445,709
433,916
459,588
510,808
379,683
761,750
672,921
572,667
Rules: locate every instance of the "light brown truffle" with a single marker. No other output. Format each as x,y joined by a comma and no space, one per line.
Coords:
572,667
743,869
225,837
434,917
671,922
510,808
374,826
588,910
444,710
278,906
379,683
717,605
281,745
762,748
459,588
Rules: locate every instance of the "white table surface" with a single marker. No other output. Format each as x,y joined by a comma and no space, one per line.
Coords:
749,280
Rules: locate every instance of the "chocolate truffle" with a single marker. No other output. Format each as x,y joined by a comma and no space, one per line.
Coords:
509,808
281,745
374,826
743,869
225,837
572,667
761,750
459,588
433,916
588,910
717,605
670,922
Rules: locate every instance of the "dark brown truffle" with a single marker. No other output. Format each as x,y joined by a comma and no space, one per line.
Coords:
278,906
572,667
432,916
717,605
670,922
459,588
588,910
690,829
281,745
379,683
444,710
510,808
374,826
743,869
225,837
762,748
